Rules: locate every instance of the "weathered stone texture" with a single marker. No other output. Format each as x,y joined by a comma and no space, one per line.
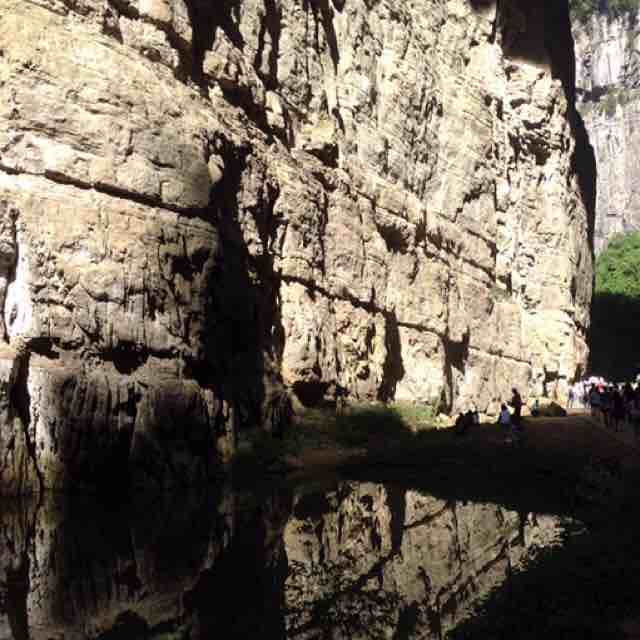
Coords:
208,203
608,72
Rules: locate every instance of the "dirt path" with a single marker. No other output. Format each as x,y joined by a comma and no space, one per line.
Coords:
571,441
579,433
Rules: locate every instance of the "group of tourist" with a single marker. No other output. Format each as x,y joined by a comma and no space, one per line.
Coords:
510,421
615,405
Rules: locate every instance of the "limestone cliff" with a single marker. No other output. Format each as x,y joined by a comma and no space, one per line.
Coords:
205,205
608,81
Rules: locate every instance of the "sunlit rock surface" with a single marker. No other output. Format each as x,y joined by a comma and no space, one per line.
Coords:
608,82
204,205
359,560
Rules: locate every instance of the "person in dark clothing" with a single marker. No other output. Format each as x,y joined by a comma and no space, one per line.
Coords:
516,403
606,406
463,422
618,409
627,398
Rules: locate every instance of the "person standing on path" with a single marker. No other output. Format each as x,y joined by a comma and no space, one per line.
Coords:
618,411
572,397
594,401
504,419
516,403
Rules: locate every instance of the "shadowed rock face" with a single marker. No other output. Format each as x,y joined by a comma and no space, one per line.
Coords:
358,560
204,204
608,99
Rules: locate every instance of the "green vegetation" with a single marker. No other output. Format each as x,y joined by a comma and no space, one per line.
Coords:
395,422
359,427
582,10
615,316
618,267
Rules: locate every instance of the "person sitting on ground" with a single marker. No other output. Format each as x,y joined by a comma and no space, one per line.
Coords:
470,417
462,424
535,410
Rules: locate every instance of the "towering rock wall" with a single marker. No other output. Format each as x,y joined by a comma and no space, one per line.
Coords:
608,81
206,204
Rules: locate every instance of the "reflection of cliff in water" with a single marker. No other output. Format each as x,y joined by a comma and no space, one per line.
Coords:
70,568
376,561
359,560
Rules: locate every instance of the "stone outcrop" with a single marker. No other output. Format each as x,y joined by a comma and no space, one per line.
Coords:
207,205
608,92
356,560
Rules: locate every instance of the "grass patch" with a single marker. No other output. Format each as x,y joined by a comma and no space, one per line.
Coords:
258,450
363,424
359,426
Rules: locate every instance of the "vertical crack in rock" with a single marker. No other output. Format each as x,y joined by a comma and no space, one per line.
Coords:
326,20
270,26
245,296
393,369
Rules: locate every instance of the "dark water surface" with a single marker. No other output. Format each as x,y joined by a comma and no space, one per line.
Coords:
342,559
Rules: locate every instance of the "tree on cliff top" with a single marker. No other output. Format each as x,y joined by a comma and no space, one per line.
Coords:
582,10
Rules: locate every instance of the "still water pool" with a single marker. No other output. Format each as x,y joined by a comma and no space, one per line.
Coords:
340,559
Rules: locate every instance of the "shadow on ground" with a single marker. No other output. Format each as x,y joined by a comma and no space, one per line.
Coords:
542,475
566,466
586,589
